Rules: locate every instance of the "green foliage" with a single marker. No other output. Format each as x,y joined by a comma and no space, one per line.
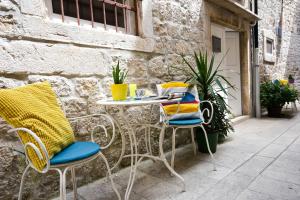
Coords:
119,75
273,94
208,80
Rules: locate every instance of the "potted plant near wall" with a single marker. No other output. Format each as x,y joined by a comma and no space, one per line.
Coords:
274,94
291,79
210,83
119,88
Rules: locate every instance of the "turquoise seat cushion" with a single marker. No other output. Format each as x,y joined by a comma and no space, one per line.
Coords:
182,122
74,152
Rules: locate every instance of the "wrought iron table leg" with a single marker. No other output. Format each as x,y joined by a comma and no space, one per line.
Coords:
163,158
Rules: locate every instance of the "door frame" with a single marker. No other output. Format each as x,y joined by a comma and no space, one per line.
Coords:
244,41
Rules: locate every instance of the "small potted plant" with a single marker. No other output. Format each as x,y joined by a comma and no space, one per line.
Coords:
291,79
119,88
274,94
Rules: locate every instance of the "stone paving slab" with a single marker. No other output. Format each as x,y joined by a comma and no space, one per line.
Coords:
260,161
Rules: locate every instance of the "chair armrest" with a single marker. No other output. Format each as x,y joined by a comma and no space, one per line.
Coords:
209,113
99,126
41,155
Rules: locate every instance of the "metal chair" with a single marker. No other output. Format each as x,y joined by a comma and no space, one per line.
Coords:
72,156
189,123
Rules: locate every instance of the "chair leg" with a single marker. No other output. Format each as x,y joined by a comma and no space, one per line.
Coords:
146,140
73,174
149,141
163,158
208,147
173,147
62,183
22,182
193,141
110,176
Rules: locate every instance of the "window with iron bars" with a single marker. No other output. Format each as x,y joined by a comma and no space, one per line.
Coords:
121,15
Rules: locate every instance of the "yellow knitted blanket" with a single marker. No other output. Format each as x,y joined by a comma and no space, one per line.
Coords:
35,107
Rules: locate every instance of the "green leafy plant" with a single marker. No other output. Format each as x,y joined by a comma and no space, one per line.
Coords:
276,94
210,83
119,75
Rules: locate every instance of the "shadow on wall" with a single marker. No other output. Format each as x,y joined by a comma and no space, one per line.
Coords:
293,56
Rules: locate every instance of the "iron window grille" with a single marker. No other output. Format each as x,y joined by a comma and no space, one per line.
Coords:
121,14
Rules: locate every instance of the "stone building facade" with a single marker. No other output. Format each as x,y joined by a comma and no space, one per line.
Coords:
77,61
284,15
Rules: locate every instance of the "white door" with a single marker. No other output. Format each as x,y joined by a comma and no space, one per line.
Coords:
230,65
233,71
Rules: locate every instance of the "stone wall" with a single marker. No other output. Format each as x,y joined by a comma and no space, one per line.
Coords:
77,62
286,48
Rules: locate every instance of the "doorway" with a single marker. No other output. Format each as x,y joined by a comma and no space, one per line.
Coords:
226,42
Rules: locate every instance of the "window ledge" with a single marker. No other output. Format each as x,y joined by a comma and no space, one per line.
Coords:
58,32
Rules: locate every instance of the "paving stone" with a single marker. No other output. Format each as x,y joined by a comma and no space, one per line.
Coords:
205,169
252,195
276,188
254,166
228,188
295,147
185,195
279,174
290,155
297,141
229,160
272,150
287,164
285,140
161,190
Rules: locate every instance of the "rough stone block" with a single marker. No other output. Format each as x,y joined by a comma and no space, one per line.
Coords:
75,107
35,7
4,127
93,107
86,87
9,83
6,5
157,67
48,58
137,71
61,85
6,157
106,86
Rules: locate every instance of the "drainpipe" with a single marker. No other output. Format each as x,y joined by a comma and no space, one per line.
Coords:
256,108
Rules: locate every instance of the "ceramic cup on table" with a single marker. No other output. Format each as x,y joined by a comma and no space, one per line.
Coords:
140,93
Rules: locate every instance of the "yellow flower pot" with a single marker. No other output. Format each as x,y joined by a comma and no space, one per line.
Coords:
119,91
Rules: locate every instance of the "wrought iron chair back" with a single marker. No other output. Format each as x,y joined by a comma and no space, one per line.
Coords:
62,169
166,119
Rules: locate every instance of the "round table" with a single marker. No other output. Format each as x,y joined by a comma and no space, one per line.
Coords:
136,158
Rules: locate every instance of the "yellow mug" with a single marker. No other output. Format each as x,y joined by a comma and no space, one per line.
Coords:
132,89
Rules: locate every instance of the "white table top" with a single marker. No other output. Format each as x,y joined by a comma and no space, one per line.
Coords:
133,102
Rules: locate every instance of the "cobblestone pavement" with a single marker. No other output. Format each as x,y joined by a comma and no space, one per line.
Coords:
260,161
